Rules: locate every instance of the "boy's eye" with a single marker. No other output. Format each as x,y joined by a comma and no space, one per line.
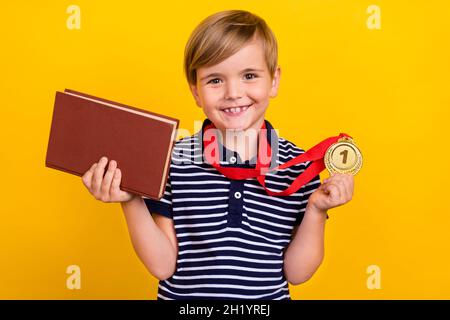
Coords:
250,74
213,81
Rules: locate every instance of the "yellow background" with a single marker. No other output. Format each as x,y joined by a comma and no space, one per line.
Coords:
388,88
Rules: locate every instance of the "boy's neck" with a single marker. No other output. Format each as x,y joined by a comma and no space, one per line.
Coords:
244,142
245,145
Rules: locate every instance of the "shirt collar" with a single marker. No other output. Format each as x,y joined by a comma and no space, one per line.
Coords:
231,158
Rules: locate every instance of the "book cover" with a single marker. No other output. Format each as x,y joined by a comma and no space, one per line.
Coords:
84,128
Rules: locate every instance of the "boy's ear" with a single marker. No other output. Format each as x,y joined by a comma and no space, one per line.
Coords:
194,91
275,82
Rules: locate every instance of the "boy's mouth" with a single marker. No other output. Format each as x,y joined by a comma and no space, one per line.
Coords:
235,112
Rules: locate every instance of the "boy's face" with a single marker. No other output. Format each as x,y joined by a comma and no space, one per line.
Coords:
242,81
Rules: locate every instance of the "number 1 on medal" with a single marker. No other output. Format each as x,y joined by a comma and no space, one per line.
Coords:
344,153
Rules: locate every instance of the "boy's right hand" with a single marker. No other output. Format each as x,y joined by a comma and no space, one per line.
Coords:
106,188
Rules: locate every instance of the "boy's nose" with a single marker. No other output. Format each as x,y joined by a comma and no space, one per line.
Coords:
233,90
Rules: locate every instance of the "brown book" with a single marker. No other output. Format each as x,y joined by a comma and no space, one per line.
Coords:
84,128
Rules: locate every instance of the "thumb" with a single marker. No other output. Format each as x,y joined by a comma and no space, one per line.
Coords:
332,191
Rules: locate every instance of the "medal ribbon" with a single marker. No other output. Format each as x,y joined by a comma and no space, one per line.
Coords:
315,155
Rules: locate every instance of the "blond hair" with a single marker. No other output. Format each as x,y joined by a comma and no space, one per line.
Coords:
221,35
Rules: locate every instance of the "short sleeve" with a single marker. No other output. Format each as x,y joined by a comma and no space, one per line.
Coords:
306,191
162,206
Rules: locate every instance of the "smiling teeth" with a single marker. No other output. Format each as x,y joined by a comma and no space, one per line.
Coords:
236,110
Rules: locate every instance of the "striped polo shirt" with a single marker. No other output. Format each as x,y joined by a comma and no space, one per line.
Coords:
231,235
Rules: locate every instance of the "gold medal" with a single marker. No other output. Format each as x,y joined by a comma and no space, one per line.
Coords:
343,157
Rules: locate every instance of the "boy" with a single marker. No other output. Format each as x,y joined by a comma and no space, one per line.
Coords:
212,237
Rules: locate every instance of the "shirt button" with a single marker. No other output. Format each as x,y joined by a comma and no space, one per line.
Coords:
237,195
233,159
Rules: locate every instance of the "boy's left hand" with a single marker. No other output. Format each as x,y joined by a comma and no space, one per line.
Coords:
333,192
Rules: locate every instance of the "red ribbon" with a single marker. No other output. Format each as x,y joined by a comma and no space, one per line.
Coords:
315,155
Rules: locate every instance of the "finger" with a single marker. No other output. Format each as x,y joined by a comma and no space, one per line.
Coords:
87,177
333,192
344,181
98,176
340,177
350,186
351,180
115,184
329,191
343,190
337,176
331,178
107,179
